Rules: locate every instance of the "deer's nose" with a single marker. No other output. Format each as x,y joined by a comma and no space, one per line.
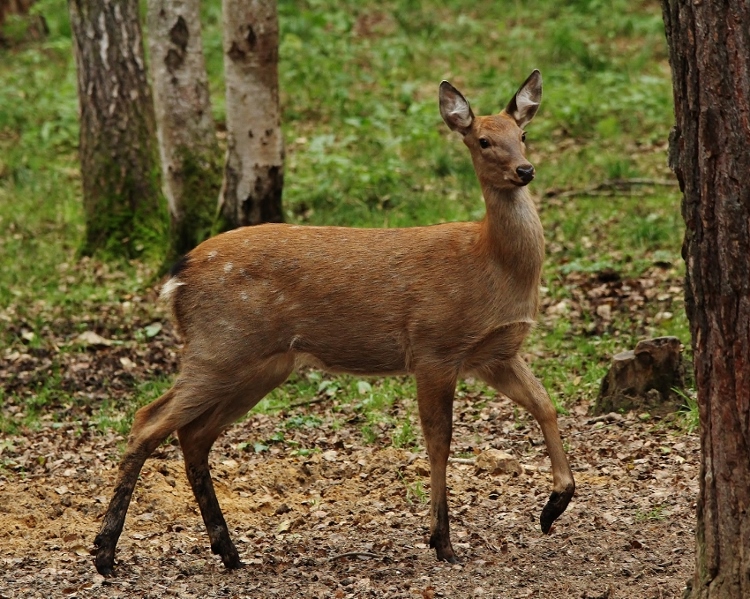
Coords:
525,173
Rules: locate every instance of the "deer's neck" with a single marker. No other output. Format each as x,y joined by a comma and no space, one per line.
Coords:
512,233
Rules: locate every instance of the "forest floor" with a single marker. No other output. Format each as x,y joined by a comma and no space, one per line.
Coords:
350,519
327,500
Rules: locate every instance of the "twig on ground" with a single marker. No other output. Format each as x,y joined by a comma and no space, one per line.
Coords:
354,554
611,417
609,187
463,460
308,402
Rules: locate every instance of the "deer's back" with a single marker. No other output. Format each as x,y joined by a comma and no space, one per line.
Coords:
356,300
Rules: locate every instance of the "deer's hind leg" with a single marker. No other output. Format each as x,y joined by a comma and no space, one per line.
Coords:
151,425
197,437
515,379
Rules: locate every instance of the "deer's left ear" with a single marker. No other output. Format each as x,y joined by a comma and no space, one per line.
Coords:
523,106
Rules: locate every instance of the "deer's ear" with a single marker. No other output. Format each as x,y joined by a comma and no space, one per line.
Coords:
524,104
454,109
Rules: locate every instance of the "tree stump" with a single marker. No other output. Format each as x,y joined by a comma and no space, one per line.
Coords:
644,378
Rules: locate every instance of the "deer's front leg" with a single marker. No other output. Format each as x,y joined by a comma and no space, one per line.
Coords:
435,399
515,379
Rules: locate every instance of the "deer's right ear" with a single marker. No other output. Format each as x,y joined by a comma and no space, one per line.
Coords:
454,109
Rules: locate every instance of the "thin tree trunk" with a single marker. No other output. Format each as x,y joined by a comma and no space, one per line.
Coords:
191,169
709,45
35,26
254,172
14,7
122,202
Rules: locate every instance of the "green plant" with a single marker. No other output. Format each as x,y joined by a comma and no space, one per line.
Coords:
366,147
404,436
689,411
415,491
656,513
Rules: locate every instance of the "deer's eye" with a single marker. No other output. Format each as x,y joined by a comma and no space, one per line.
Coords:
483,143
523,136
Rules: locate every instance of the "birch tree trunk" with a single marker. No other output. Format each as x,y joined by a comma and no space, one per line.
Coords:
191,169
123,205
254,170
709,45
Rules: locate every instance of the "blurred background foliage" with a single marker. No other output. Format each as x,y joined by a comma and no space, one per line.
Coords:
366,147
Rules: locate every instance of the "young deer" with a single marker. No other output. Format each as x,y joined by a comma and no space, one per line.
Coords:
438,302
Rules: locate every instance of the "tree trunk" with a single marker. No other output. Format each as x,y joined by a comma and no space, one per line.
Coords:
35,27
709,45
123,205
191,169
14,7
254,172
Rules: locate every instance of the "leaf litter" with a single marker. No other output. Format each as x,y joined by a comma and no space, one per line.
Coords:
315,511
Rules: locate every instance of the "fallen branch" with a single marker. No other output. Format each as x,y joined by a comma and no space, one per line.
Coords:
354,554
309,402
463,460
609,187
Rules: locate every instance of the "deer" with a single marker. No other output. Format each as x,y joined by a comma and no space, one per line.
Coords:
436,302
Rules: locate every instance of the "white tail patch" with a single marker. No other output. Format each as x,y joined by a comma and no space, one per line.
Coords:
169,288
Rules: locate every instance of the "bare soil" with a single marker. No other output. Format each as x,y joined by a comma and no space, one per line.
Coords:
350,520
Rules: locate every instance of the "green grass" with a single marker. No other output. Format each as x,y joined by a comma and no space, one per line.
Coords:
689,412
366,147
110,416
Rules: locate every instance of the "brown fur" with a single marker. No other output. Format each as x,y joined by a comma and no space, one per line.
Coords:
438,302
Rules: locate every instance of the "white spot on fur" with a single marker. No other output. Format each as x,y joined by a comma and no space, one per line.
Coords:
212,254
228,267
169,288
295,341
244,296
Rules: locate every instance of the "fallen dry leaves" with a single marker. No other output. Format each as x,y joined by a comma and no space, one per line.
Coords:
348,519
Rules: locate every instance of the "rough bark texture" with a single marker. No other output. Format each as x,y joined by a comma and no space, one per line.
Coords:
123,204
254,173
709,45
191,166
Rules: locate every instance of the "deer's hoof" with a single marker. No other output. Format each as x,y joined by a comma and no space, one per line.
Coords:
556,505
443,549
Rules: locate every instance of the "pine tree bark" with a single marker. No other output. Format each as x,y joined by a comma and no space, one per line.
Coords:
254,171
191,166
123,204
709,45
